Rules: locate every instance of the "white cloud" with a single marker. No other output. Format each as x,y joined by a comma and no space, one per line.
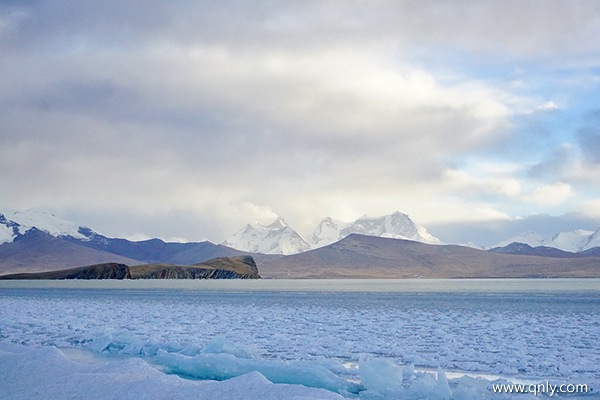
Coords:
496,182
333,93
475,213
592,208
549,105
550,195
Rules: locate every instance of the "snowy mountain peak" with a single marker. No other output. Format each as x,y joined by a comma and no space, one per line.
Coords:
15,223
328,231
275,238
397,225
278,224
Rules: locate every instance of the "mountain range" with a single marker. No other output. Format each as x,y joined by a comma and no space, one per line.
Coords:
280,238
391,246
37,240
572,241
360,256
397,226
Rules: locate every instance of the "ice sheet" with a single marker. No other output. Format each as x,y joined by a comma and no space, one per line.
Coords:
46,373
370,345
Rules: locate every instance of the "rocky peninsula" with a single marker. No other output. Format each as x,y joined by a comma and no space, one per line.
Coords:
243,267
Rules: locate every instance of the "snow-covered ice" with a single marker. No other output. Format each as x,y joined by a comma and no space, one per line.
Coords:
293,344
46,373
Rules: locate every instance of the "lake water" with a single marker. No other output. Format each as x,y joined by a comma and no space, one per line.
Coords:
518,330
327,285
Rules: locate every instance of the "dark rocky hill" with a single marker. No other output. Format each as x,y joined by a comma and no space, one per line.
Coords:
99,271
220,268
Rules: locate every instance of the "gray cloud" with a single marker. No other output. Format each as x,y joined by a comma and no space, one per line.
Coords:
488,27
495,231
555,166
231,111
589,140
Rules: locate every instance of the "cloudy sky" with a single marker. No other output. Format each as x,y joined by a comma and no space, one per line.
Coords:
189,119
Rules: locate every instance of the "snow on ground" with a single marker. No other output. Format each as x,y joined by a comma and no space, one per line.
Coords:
267,345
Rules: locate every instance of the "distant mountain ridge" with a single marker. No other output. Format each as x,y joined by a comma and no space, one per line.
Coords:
37,240
155,250
60,244
542,251
280,238
361,256
574,241
36,251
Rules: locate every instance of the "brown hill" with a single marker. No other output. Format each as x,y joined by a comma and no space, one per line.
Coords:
38,251
359,256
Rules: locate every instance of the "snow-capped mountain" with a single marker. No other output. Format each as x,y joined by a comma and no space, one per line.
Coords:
276,238
592,241
328,231
396,226
530,238
37,240
571,241
16,223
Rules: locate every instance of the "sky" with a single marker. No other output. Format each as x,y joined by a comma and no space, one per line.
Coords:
186,120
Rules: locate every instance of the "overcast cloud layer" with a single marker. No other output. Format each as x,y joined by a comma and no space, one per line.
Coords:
190,119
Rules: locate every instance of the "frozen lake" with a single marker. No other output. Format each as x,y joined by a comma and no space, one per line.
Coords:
372,339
